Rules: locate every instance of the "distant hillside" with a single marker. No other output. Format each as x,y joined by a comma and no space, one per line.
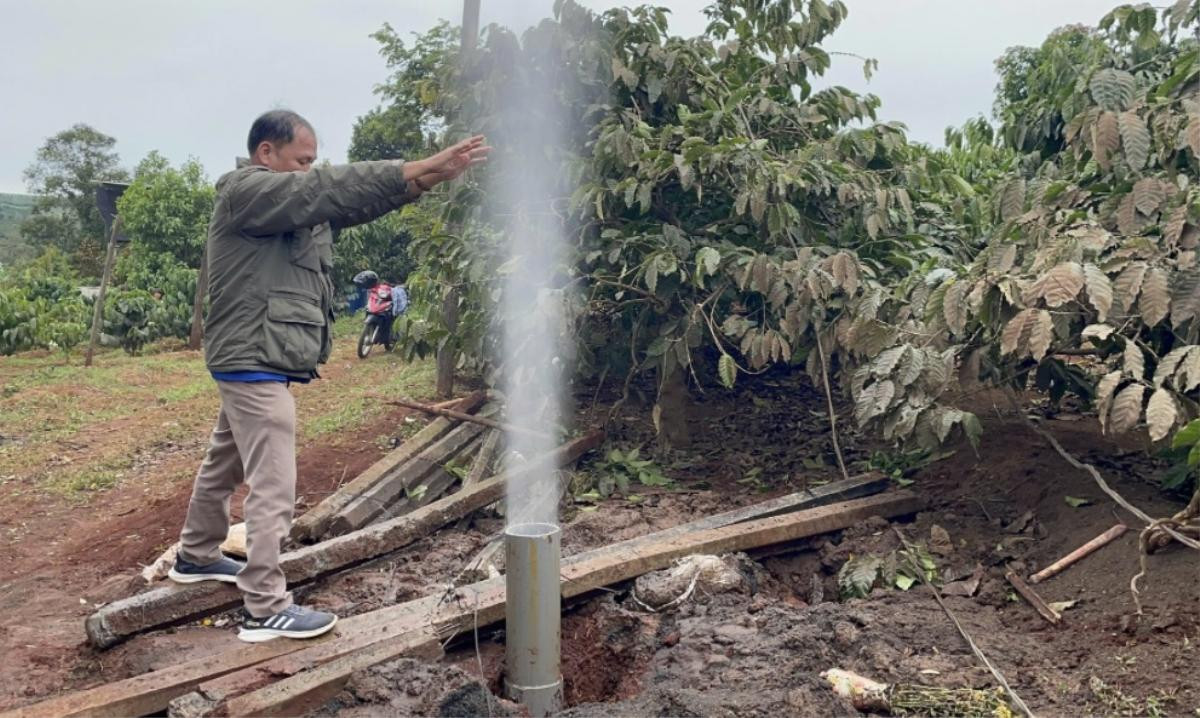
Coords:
14,208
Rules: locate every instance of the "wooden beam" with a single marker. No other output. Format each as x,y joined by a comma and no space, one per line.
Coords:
175,604
219,678
483,460
377,499
303,692
484,603
855,487
150,692
313,524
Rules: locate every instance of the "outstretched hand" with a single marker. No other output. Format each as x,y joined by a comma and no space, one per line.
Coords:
456,159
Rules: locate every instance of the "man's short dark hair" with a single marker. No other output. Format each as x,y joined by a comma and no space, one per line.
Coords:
277,127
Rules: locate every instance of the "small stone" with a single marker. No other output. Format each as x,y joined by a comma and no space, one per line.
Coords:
717,660
844,634
1164,623
671,639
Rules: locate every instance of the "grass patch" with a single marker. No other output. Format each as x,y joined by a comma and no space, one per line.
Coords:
74,432
191,390
91,479
349,409
345,417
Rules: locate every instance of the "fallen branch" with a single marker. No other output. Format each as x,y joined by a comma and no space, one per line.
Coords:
1066,561
1032,597
175,604
483,420
1154,527
937,596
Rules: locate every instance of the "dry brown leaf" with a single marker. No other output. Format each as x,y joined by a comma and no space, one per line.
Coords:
1104,394
1156,296
1061,284
1161,414
1126,408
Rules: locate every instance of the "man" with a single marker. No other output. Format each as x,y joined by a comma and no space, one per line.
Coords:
270,256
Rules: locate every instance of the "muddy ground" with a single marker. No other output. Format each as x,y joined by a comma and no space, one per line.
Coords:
756,651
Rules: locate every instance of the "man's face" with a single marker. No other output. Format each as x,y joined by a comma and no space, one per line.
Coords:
295,156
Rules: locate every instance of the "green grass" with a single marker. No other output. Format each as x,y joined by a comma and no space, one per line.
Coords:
74,432
376,378
98,477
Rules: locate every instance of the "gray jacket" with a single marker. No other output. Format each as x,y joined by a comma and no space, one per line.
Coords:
270,258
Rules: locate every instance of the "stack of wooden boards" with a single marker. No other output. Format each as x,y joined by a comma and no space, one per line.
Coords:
415,474
291,677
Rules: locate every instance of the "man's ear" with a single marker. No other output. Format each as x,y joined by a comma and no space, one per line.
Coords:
264,150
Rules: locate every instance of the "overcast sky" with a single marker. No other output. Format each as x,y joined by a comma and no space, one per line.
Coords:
186,77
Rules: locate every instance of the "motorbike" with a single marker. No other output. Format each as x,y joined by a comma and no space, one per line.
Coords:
377,326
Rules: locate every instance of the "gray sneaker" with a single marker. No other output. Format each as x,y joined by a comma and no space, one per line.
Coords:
292,622
225,570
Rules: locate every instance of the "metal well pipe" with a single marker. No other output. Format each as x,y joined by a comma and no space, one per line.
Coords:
532,612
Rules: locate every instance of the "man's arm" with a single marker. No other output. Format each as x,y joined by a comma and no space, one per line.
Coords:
266,202
377,210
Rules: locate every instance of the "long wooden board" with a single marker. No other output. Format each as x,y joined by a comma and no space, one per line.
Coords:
219,677
378,499
484,603
313,524
174,604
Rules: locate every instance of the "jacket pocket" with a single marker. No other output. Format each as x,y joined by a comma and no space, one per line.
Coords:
292,331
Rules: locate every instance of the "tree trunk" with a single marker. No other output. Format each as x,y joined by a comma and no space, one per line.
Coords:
674,404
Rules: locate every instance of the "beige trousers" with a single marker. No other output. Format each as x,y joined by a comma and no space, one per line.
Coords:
254,440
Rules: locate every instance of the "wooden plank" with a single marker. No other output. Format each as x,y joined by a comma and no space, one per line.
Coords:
313,524
480,467
174,604
218,677
378,499
302,692
354,634
855,487
150,692
484,603
483,460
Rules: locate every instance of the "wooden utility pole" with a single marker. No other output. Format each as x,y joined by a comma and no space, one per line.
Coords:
447,356
98,310
197,335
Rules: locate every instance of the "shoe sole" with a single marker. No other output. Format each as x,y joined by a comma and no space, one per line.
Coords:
198,577
259,635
